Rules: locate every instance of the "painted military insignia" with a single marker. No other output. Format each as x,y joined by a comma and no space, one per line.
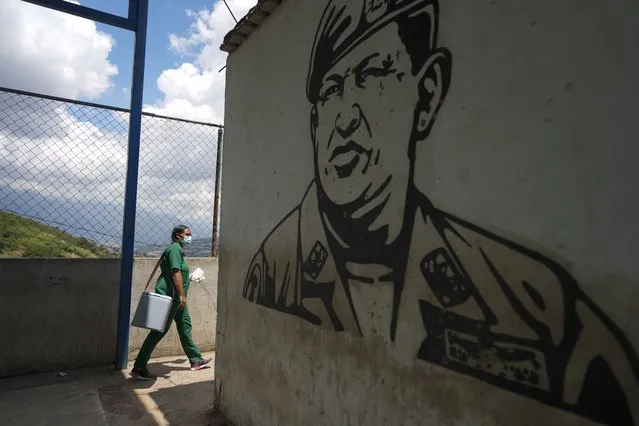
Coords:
316,260
373,9
443,277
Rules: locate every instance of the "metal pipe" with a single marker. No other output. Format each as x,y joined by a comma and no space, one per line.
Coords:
101,106
87,13
60,99
183,120
131,189
216,205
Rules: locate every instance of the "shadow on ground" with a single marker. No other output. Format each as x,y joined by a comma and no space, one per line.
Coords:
192,413
104,397
163,369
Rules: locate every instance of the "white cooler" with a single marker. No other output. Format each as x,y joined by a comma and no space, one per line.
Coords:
153,311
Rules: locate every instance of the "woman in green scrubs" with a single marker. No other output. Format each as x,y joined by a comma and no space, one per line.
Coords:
174,282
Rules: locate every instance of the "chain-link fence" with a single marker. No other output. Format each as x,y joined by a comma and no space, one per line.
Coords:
62,177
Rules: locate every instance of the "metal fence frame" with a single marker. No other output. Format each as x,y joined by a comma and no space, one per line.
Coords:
135,21
216,160
103,106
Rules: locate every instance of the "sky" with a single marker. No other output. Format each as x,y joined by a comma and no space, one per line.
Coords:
71,57
66,164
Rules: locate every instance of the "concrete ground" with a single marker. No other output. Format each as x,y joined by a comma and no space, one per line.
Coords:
105,397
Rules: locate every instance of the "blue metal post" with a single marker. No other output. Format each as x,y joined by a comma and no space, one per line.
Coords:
130,197
87,13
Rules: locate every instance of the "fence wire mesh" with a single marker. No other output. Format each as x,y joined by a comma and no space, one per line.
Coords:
62,178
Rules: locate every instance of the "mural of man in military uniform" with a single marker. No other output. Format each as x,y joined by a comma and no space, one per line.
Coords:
366,252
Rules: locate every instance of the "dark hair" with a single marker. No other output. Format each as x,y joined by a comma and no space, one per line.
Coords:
177,231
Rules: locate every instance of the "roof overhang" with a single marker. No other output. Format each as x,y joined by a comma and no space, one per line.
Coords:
253,19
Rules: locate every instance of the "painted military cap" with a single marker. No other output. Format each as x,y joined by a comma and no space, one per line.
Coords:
346,23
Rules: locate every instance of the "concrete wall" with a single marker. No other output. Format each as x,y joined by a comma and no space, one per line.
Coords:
502,288
58,314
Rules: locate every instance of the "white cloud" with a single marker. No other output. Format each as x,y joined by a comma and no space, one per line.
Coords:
195,89
68,163
53,52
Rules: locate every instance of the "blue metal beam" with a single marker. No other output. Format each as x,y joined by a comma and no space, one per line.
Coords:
131,189
133,11
88,13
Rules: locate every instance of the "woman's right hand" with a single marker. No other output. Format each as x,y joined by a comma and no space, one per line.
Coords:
182,300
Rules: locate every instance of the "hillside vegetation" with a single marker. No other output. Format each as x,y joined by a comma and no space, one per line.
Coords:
23,237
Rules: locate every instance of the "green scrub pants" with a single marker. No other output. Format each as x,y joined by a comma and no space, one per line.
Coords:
183,323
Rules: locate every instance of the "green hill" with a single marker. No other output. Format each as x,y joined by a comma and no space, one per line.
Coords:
22,237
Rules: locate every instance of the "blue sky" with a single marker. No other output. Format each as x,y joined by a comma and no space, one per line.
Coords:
62,55
164,17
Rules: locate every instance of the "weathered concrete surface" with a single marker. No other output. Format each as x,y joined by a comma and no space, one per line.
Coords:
57,313
535,146
102,396
62,313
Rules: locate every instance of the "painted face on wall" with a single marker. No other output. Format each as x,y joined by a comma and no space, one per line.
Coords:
364,119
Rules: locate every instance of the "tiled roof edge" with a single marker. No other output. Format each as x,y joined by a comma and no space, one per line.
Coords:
253,19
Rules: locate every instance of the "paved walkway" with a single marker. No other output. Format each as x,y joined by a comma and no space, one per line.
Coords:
104,397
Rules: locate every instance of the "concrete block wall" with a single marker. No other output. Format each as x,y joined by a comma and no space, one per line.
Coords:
429,215
58,314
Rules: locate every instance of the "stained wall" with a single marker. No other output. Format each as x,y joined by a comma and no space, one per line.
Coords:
60,314
429,215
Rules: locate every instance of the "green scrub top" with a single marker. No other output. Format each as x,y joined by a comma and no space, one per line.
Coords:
172,258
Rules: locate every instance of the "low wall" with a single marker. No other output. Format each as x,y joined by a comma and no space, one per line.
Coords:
59,314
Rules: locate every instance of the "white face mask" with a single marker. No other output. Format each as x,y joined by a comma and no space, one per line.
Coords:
187,239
